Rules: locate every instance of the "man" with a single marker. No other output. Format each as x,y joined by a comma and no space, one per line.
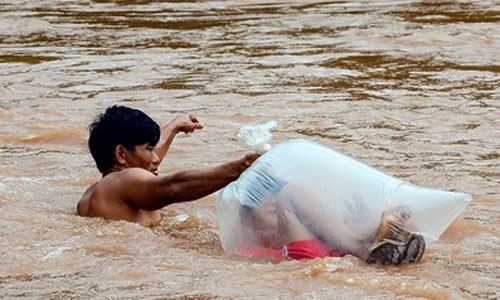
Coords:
128,146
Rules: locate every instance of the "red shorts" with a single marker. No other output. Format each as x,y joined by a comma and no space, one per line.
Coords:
296,250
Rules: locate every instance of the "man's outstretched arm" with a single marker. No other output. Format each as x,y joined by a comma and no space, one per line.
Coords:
146,191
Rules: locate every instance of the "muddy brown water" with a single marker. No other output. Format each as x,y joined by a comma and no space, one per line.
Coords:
409,87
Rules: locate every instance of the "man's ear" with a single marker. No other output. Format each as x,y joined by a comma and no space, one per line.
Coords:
120,155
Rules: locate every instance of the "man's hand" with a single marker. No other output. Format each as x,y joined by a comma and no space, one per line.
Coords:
187,124
247,161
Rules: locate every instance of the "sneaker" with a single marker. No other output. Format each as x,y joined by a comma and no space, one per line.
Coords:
386,253
395,253
414,249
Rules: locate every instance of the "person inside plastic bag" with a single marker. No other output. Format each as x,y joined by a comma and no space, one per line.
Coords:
287,228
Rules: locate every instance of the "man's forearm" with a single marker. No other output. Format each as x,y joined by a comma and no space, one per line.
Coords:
154,192
194,184
167,136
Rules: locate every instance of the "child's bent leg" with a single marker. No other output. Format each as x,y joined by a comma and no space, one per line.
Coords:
291,228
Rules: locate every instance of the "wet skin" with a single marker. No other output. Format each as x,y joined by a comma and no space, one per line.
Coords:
133,191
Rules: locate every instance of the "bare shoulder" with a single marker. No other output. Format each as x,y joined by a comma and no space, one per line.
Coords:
132,174
112,191
116,196
82,207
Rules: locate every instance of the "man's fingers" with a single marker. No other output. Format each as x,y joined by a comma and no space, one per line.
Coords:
193,118
197,123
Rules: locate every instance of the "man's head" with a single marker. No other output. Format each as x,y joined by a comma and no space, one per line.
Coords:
118,136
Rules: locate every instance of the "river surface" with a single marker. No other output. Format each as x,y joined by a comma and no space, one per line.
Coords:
409,87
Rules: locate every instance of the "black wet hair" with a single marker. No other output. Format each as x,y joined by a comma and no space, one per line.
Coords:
120,125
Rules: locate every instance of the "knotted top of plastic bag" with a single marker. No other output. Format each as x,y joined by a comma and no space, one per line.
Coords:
256,137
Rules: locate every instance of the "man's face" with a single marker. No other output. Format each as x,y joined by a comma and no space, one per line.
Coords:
143,156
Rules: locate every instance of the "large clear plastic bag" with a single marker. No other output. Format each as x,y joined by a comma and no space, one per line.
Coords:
349,206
